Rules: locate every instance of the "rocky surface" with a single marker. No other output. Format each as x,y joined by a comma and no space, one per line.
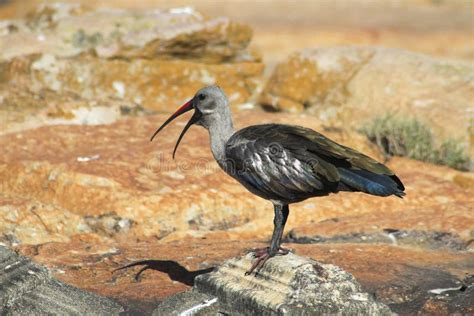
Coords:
287,285
439,28
88,207
68,64
85,192
136,81
440,226
66,30
356,84
407,279
28,289
194,302
124,184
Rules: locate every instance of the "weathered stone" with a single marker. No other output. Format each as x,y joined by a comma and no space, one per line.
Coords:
88,261
352,85
125,179
153,84
287,285
189,302
28,288
66,30
404,278
67,58
125,176
436,28
124,185
28,221
447,225
23,109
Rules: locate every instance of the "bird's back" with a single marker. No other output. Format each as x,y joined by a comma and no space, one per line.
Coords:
292,163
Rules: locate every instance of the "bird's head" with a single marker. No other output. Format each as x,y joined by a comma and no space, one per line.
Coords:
210,106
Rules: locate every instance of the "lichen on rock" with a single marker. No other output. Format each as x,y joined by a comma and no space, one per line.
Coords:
353,85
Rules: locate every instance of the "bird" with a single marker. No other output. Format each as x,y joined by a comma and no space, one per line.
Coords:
282,163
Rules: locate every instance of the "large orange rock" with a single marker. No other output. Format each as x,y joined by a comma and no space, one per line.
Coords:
353,85
27,221
70,29
435,28
112,176
114,169
65,63
151,83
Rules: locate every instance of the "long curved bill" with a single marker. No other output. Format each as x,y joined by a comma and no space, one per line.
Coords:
188,106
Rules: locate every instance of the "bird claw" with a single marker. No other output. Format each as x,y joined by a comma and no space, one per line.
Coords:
261,251
262,255
259,263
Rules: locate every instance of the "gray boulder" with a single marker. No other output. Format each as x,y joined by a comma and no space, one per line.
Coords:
27,288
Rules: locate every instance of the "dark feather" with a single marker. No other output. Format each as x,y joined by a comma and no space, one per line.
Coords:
292,163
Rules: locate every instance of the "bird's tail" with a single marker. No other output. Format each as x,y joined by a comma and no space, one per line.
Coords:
371,183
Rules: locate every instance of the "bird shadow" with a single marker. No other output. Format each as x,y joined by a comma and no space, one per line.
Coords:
175,271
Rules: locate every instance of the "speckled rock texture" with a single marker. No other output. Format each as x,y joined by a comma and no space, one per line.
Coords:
355,84
65,63
29,289
189,303
287,285
58,181
66,30
111,179
408,279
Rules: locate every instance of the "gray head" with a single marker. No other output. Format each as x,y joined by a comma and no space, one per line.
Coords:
211,109
212,105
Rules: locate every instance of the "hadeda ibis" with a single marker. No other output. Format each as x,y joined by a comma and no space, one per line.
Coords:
282,163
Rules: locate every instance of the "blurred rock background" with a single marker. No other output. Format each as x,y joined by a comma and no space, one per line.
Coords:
83,86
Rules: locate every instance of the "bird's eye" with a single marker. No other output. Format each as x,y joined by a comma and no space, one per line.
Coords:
201,96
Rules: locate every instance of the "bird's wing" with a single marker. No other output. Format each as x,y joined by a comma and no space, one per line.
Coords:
356,170
326,148
334,166
263,160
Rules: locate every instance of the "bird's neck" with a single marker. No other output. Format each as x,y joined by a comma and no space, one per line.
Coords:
219,135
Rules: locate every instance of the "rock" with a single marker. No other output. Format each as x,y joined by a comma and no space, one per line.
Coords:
28,288
32,222
287,285
65,30
85,199
128,200
64,62
88,261
466,180
435,28
404,278
123,184
153,84
441,226
352,85
189,302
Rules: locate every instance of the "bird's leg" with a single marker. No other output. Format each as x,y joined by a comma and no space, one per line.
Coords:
263,254
281,215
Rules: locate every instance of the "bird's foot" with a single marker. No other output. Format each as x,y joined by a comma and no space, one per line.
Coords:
280,251
262,255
